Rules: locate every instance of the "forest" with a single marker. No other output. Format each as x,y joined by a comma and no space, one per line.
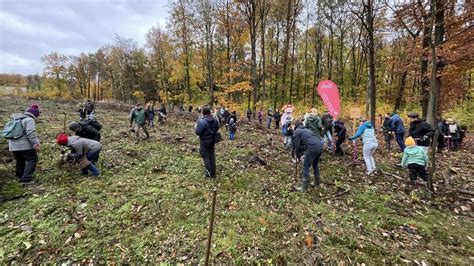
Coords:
264,53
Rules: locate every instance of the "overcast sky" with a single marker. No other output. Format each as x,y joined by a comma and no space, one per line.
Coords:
30,29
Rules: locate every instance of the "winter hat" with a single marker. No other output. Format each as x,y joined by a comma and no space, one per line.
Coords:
409,141
34,110
206,110
74,126
61,139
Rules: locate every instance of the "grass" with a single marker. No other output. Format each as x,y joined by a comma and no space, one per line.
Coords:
152,204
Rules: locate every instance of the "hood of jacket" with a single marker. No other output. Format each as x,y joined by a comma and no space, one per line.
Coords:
23,115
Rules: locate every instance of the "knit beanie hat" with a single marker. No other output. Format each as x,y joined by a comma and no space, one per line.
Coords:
34,110
409,141
61,139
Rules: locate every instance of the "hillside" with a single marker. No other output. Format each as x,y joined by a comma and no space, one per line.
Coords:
152,204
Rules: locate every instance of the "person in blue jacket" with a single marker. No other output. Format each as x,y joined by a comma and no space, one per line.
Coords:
367,132
396,125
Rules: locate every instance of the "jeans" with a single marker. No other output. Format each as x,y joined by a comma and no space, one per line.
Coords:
25,164
399,137
208,155
311,158
328,136
231,135
269,123
418,170
93,157
368,151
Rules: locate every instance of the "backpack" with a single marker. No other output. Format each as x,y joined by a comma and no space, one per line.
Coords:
94,123
453,128
13,129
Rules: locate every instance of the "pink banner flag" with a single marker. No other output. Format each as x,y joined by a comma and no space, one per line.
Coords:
330,95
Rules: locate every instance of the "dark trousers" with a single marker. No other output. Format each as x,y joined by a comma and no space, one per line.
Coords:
399,137
208,154
93,157
339,151
417,170
277,124
311,158
388,137
25,164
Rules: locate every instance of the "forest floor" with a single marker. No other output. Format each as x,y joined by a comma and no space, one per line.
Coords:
152,204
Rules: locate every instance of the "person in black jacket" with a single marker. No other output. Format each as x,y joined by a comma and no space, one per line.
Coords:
387,132
341,134
277,118
84,129
309,144
443,134
206,129
420,130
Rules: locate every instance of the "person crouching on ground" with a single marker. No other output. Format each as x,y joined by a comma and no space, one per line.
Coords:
367,132
311,145
416,159
206,129
80,146
138,118
25,148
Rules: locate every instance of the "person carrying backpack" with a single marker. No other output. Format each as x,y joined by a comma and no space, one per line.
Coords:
341,134
138,118
305,142
367,132
207,128
416,159
454,133
313,122
85,129
232,129
80,147
327,128
23,142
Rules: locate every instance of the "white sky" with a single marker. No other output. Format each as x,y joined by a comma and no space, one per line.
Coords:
30,29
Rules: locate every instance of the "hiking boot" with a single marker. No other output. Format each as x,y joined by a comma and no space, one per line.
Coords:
300,189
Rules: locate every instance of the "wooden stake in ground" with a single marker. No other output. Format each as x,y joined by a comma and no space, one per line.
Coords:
211,226
64,126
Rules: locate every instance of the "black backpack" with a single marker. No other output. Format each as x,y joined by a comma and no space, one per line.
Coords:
94,123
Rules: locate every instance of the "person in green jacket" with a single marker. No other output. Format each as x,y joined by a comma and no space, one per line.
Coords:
416,159
137,117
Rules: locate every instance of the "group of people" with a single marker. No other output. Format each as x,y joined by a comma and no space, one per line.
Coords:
306,136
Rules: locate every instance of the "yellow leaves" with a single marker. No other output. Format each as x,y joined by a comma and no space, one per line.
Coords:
262,221
240,87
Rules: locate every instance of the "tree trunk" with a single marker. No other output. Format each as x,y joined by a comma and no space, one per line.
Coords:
401,90
286,48
305,79
372,89
262,44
